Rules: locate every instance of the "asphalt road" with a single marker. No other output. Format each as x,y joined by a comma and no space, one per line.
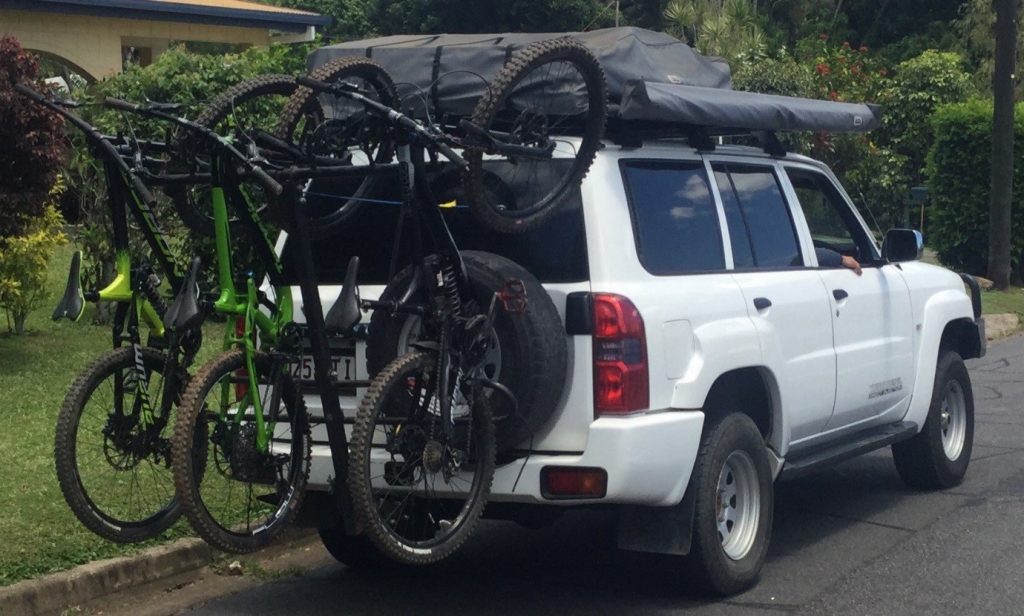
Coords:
848,540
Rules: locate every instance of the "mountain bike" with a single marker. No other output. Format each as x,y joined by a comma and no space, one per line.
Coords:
422,453
242,436
111,449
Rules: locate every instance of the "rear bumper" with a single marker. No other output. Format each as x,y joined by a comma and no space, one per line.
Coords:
648,459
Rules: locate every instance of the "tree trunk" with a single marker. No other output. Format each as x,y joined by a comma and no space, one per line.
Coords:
1002,144
19,323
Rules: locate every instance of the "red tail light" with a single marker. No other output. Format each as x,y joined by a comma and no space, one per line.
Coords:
621,383
242,375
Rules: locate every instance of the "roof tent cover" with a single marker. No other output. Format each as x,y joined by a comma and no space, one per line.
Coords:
730,109
449,70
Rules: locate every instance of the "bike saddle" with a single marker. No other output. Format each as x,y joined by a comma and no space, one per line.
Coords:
72,305
346,311
184,313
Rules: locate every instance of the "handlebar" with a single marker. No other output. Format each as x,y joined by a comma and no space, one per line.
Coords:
395,117
163,111
120,105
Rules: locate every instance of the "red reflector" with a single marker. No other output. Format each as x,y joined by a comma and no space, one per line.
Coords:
573,482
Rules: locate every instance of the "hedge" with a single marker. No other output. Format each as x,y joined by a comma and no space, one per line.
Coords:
958,172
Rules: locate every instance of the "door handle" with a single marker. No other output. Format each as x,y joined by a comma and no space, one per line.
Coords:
762,303
840,294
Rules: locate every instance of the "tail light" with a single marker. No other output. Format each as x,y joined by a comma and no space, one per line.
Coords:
621,381
573,482
242,375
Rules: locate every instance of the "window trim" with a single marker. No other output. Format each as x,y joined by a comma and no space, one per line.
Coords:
695,163
826,174
784,186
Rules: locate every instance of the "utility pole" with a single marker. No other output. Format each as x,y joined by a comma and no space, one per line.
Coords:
1001,197
616,13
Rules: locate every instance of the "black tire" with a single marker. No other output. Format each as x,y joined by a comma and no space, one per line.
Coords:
735,438
409,524
533,356
281,478
93,504
304,122
355,551
192,202
923,461
505,107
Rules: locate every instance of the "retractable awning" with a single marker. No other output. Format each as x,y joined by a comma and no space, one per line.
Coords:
726,111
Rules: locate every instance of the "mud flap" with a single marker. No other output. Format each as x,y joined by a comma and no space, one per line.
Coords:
661,530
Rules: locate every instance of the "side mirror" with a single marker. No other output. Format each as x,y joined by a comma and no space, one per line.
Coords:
902,245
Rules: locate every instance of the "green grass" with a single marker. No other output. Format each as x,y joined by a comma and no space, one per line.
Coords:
40,534
996,302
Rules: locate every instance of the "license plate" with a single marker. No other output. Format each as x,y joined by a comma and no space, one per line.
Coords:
343,366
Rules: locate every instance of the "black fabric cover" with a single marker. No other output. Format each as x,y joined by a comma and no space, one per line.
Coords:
732,110
449,71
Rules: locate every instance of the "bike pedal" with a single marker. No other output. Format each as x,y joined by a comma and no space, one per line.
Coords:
513,296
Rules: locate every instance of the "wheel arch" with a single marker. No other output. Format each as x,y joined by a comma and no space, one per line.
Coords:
753,391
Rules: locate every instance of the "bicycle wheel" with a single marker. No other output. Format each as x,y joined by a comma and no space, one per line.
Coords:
547,93
331,127
114,472
248,493
241,110
418,497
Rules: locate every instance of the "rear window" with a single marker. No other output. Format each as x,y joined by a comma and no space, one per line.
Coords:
554,252
674,217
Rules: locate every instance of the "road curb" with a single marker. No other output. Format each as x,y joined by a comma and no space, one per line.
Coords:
55,592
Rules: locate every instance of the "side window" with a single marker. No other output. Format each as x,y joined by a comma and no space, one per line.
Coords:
832,224
760,226
674,217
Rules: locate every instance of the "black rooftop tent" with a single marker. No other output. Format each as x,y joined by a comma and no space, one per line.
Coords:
653,80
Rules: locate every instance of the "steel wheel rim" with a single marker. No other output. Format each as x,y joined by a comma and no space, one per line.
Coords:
953,420
738,505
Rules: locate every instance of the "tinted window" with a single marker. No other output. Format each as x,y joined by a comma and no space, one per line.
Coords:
674,217
829,217
760,227
554,252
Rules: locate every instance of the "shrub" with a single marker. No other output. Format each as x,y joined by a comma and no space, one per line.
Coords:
958,169
30,142
23,262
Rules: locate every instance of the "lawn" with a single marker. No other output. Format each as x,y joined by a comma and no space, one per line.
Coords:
39,532
1011,300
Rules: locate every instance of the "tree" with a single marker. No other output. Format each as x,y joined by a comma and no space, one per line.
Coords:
1002,143
30,142
726,28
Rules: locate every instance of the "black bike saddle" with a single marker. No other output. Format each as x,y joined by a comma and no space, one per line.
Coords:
184,313
346,311
72,305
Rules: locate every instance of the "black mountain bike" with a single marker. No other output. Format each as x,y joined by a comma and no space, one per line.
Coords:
112,446
422,453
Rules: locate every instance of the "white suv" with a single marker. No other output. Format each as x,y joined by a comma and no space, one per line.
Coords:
708,352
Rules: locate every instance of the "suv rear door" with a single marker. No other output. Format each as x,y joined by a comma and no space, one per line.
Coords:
786,300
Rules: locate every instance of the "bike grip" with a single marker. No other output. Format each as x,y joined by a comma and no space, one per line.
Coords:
268,182
313,84
451,155
120,105
143,191
29,92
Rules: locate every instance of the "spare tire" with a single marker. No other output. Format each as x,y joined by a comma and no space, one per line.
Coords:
529,357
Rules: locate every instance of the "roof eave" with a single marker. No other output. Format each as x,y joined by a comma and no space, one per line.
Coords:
163,11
